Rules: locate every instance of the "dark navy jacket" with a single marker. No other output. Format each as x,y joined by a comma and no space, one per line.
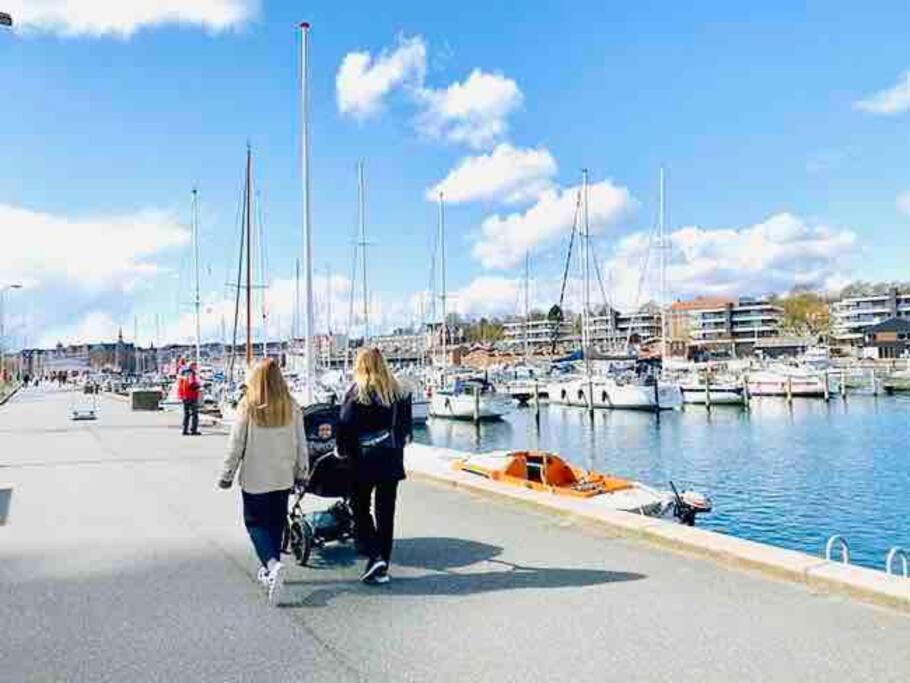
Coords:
357,420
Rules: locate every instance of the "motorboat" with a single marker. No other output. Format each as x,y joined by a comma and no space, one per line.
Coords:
549,473
522,384
470,399
793,382
708,390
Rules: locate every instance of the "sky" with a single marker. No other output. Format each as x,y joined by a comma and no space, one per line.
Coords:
783,130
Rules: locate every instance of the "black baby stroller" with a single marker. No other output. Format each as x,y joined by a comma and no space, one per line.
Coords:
330,476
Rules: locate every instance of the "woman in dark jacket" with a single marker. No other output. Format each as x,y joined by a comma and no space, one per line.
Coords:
374,426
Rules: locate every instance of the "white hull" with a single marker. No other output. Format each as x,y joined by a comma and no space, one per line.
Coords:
420,410
463,406
773,384
720,395
607,394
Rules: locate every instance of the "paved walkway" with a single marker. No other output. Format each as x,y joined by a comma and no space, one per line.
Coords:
121,561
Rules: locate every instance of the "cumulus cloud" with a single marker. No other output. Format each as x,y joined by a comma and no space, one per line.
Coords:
508,174
363,81
473,112
775,255
893,100
122,19
102,252
504,240
903,203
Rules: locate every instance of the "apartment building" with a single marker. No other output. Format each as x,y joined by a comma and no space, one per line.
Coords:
540,333
852,317
734,326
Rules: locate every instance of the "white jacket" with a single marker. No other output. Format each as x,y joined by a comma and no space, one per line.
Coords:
269,458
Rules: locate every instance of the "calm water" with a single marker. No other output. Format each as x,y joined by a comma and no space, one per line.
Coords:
788,476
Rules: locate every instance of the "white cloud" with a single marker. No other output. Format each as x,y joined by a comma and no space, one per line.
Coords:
505,240
507,174
91,327
104,252
893,100
472,112
362,81
102,17
903,203
772,256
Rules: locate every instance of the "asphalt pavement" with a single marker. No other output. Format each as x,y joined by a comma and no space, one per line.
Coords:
121,561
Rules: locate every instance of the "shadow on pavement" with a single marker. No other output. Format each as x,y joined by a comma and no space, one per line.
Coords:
442,556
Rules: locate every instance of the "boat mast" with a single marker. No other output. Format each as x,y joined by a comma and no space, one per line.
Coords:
262,270
328,315
196,266
247,200
663,269
307,226
527,304
586,275
443,297
363,251
295,319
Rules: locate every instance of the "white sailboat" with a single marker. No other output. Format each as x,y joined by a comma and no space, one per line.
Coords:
462,399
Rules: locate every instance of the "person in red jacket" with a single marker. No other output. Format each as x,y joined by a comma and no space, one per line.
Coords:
188,391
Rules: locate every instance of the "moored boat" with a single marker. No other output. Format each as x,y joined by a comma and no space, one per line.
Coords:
549,473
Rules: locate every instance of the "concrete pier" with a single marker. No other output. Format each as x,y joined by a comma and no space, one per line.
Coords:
121,561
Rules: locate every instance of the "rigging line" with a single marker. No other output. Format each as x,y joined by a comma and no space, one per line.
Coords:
641,282
565,275
239,287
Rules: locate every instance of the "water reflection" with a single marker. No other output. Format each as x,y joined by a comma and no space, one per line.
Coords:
788,474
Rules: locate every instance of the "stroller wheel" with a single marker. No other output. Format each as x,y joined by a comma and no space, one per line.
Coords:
300,540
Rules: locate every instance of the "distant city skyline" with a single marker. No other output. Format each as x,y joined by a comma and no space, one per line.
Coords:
783,131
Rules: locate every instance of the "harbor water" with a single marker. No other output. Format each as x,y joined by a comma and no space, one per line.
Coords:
787,475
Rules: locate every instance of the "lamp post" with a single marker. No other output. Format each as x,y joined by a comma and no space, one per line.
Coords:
3,290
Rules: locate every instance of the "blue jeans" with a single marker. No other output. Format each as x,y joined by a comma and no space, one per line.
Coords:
265,515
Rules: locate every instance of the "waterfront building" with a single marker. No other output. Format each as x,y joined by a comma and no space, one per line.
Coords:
732,328
540,333
854,316
616,330
888,339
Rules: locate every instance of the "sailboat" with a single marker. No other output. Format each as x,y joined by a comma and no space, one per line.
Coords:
625,383
462,398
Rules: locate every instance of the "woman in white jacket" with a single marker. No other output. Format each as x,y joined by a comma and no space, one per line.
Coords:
268,446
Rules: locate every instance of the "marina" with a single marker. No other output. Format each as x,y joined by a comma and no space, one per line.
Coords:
788,475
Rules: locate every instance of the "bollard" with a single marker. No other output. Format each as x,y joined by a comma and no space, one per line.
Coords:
789,390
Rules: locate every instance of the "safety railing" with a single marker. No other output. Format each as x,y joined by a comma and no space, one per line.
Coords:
844,548
893,554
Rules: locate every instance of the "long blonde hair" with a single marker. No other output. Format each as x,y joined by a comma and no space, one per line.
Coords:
268,401
372,378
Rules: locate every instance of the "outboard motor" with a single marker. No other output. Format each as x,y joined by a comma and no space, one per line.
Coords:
689,504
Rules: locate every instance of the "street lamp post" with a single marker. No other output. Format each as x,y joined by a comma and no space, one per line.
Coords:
3,290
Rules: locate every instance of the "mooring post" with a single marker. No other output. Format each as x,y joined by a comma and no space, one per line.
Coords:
476,406
708,391
843,384
789,390
746,397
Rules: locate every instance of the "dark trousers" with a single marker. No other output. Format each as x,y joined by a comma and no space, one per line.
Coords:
190,416
265,515
377,535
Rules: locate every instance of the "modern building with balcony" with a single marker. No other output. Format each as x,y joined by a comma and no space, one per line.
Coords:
733,328
854,316
540,333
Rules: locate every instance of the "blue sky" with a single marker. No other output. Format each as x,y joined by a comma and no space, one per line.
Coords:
778,174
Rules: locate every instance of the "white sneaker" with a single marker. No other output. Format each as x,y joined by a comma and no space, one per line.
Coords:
276,583
263,577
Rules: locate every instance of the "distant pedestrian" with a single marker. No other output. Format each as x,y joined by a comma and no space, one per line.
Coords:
189,391
268,446
374,425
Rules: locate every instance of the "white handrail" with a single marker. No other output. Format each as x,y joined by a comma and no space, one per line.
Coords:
844,548
889,560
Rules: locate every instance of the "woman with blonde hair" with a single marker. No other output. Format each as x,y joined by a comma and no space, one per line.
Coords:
268,446
374,426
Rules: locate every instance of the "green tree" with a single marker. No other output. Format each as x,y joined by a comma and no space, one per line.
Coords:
805,314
